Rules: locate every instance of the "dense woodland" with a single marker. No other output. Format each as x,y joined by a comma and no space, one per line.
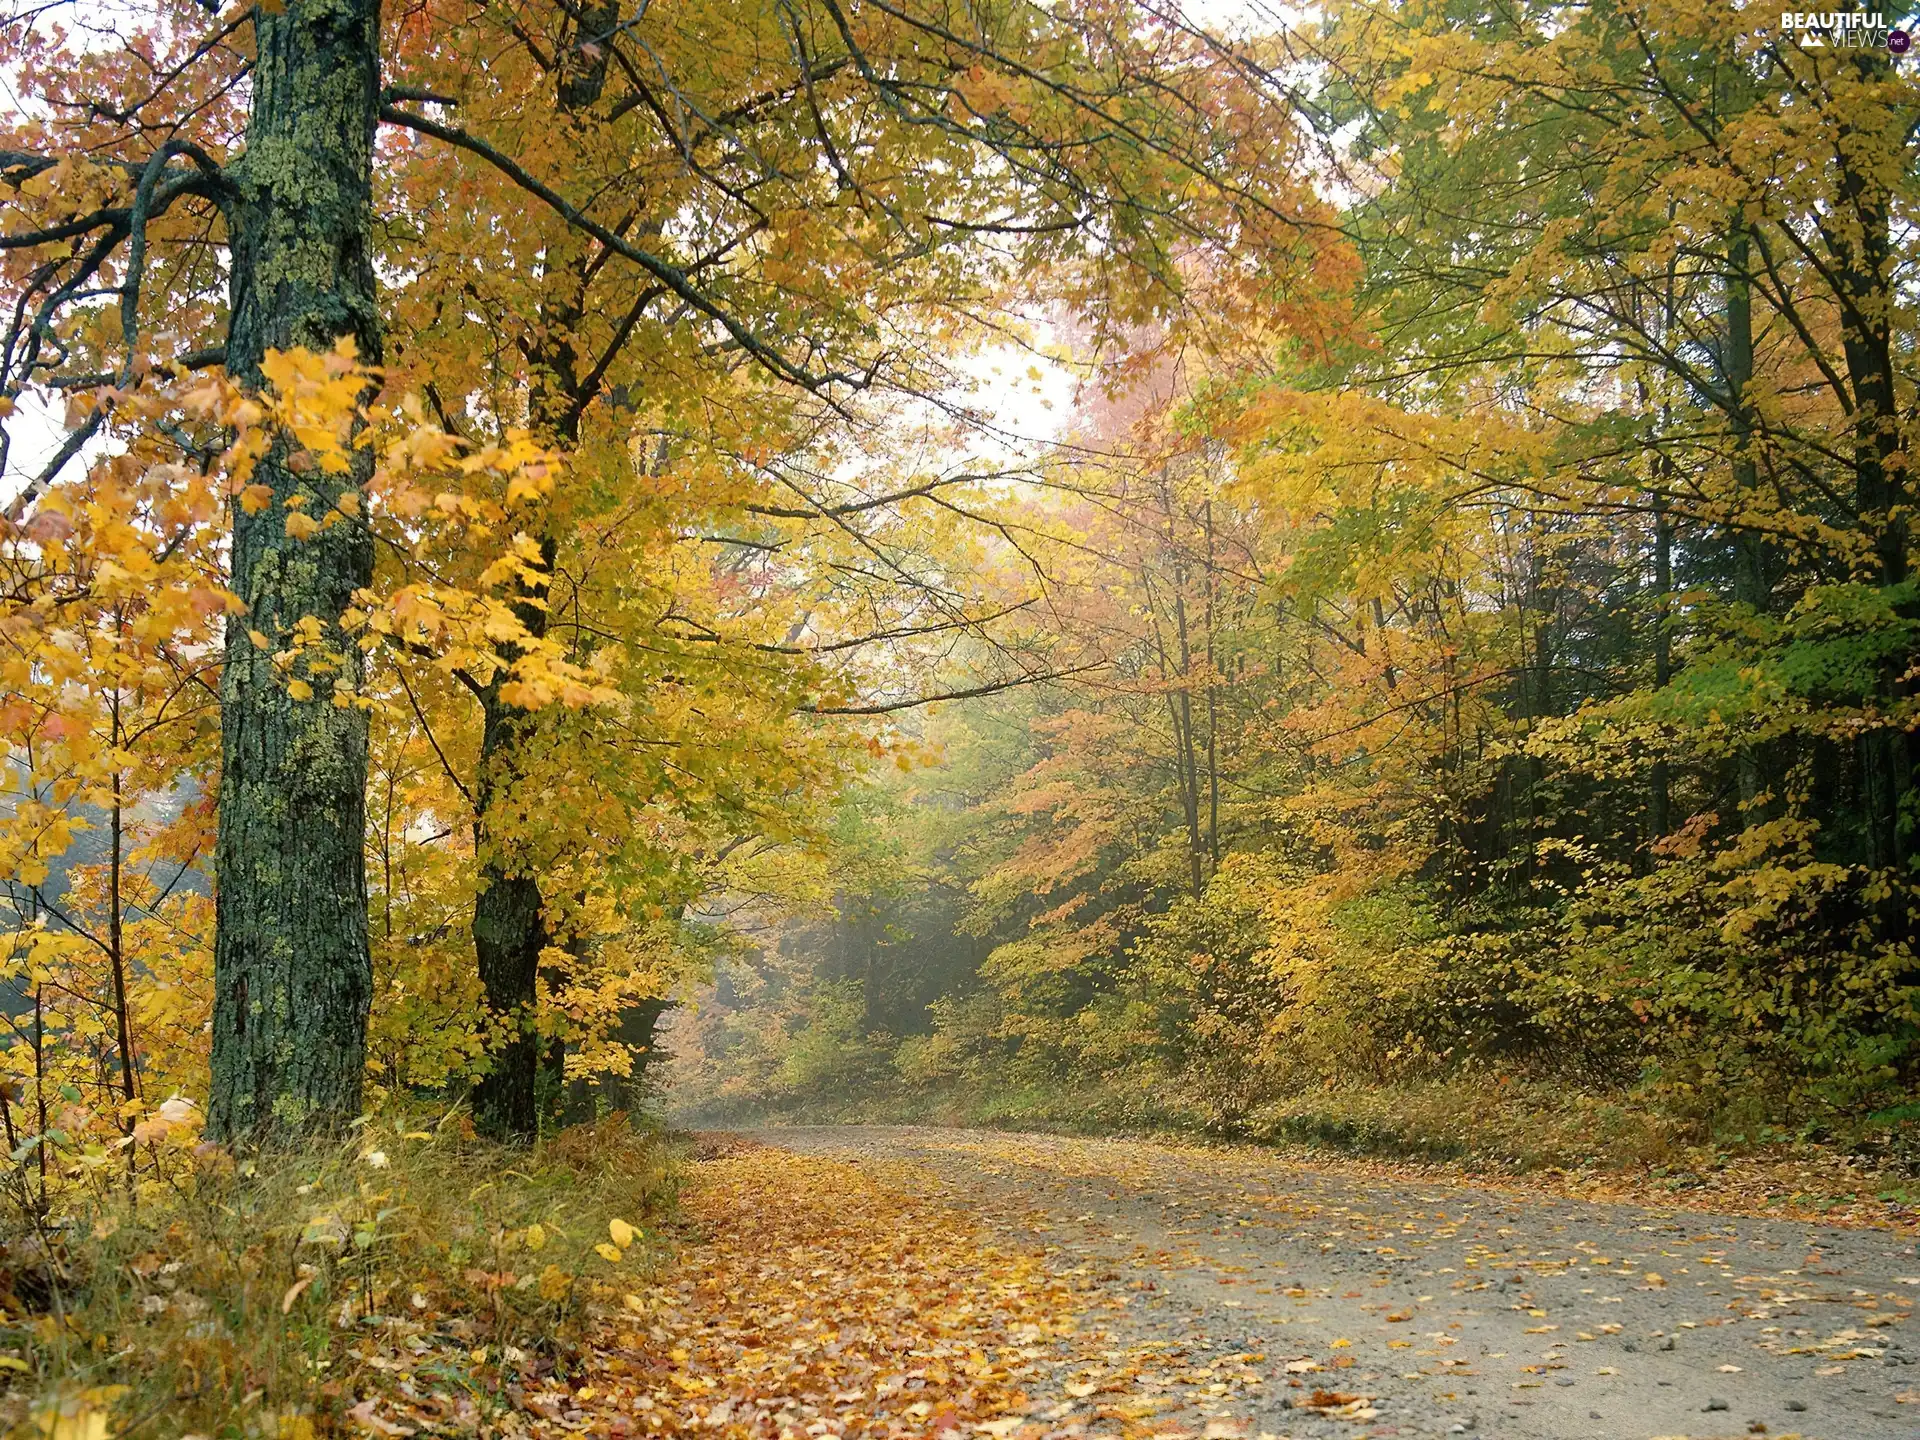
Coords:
524,518
538,584
1507,676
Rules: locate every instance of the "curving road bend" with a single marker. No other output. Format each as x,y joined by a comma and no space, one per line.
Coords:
1280,1299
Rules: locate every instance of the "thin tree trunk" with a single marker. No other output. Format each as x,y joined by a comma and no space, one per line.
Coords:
116,948
292,974
40,1084
1213,701
510,931
1750,586
1660,806
1189,750
116,934
1863,245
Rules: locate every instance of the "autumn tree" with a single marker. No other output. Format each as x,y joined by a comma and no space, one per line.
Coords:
148,159
1577,579
811,192
830,196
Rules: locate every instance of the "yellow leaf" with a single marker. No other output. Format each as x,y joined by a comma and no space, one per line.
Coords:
607,1252
536,1237
621,1232
300,526
300,690
525,487
80,1423
256,498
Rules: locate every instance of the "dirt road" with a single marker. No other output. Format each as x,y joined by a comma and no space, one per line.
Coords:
1284,1300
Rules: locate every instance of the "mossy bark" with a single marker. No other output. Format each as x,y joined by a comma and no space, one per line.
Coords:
292,975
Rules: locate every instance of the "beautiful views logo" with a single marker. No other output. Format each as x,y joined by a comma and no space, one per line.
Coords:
1846,30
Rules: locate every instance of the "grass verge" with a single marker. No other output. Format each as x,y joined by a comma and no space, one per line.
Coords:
406,1276
1544,1137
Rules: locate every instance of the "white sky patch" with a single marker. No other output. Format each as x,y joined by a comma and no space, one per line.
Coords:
35,431
1024,397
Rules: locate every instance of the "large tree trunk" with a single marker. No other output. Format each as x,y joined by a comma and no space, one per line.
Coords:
292,974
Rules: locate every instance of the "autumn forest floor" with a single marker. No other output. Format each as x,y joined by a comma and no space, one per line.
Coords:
869,1280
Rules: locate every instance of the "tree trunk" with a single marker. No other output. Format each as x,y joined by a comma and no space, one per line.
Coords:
1189,760
1865,265
1660,806
1750,584
639,1025
292,974
509,933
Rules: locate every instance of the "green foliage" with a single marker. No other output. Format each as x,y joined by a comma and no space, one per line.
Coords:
831,1048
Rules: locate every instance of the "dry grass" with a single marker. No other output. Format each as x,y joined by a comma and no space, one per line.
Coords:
298,1293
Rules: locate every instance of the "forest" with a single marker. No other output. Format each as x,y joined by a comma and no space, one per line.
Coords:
1497,678
1335,576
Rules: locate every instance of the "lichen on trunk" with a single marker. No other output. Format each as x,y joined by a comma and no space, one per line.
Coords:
293,979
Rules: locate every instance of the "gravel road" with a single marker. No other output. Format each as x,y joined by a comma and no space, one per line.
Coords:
1412,1309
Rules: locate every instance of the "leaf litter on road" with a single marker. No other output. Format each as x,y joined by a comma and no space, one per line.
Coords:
815,1298
820,1295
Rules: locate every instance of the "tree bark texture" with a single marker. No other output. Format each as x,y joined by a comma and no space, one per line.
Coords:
293,978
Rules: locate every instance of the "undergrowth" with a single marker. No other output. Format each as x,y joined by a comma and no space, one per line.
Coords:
310,1292
1504,1126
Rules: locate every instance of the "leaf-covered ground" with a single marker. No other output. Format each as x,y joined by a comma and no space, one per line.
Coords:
814,1298
864,1281
817,1297
1243,1293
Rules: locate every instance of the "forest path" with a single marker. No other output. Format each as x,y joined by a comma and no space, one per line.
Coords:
1394,1307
